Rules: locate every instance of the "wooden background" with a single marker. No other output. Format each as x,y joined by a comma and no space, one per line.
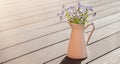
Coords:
31,33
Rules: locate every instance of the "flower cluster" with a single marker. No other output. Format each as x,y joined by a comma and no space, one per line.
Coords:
77,15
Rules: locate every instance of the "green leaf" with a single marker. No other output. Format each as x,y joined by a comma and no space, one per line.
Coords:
67,15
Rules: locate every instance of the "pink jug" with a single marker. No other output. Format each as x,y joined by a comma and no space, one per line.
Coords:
77,47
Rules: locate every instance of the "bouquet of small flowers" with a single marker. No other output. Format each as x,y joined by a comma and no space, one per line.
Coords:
76,15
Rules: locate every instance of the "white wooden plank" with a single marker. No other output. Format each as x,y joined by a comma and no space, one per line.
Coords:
25,3
33,45
6,39
95,50
37,5
8,2
111,58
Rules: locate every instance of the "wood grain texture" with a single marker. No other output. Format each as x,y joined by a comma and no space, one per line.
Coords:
110,58
106,31
98,49
22,34
33,34
41,42
35,16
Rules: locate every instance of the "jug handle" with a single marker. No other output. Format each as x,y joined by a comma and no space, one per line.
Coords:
93,28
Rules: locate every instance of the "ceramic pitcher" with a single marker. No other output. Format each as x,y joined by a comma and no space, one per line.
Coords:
77,47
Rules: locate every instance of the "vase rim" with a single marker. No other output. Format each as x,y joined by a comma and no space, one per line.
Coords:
75,23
